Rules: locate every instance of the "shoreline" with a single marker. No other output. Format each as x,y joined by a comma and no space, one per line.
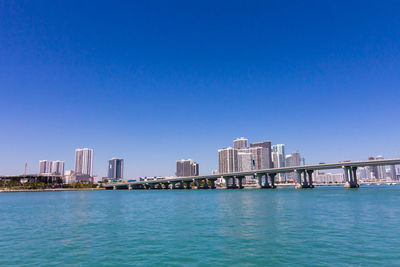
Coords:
51,190
100,189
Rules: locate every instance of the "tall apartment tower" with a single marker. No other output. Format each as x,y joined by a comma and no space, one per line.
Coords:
259,157
187,167
57,167
245,161
240,143
44,166
227,160
267,146
84,161
116,168
292,160
278,159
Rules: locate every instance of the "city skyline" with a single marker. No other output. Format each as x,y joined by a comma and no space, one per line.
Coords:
313,77
60,165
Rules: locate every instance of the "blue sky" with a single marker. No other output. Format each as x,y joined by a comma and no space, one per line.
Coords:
157,81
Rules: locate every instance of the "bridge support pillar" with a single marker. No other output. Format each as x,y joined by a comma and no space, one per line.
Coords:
355,183
226,182
129,187
266,182
114,187
205,186
298,184
198,183
259,180
310,179
212,181
181,185
350,174
173,185
188,184
234,185
301,181
305,181
240,180
346,177
230,186
272,178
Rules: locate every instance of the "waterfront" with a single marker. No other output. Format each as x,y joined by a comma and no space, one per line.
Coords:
322,226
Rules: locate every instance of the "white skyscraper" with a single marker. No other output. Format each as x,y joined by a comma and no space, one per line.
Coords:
57,167
291,160
227,160
44,166
259,157
84,161
240,143
245,161
186,167
278,159
267,146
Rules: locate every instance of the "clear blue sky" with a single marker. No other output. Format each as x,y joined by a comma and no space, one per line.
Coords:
157,81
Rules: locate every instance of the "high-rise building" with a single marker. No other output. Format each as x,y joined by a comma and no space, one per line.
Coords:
267,146
258,156
84,161
44,166
245,161
57,167
280,149
116,168
240,143
292,160
227,160
187,167
289,160
362,173
278,159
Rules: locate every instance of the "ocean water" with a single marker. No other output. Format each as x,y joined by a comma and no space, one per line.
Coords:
320,227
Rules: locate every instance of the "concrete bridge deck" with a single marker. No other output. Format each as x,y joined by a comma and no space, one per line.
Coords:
234,180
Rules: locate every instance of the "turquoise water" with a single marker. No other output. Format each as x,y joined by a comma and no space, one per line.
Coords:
323,226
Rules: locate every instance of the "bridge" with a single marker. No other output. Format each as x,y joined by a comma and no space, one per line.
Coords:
265,178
